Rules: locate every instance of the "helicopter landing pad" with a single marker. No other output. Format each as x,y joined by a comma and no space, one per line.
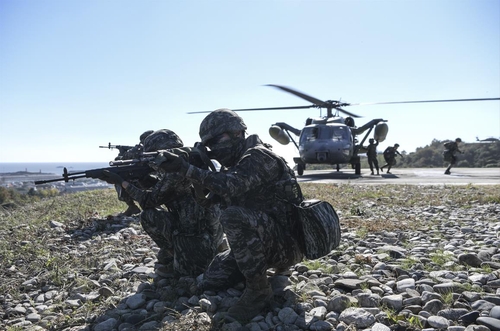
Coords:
408,176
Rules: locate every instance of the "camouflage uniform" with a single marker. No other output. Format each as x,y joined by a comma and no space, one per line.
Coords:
371,153
256,191
145,182
186,232
390,157
451,148
258,223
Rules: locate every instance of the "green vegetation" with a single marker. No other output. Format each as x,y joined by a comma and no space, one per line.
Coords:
476,155
30,247
9,198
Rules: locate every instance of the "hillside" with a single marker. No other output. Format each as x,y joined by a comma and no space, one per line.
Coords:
411,257
476,155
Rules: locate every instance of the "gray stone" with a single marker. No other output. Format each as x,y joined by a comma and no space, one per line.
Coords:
135,301
492,323
470,259
393,301
107,325
495,312
358,316
438,322
287,315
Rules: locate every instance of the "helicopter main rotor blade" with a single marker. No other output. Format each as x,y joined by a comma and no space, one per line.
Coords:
309,98
348,113
257,109
421,101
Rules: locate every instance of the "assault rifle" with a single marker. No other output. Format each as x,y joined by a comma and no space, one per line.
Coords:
120,148
197,156
136,168
131,171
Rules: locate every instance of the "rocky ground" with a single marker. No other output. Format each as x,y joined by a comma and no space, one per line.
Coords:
434,267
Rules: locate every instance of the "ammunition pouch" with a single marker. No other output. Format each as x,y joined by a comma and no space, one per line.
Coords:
320,227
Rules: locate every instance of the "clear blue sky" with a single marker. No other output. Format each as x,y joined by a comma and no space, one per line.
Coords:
78,74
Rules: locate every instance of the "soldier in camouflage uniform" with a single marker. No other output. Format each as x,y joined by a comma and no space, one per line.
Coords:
127,155
256,188
390,157
451,148
187,233
371,153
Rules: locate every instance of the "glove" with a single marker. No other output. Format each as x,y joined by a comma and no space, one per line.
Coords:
111,178
171,162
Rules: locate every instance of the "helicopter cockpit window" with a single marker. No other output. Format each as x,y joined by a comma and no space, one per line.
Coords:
340,133
334,133
309,134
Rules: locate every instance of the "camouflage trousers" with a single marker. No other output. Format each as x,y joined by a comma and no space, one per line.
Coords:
257,242
191,252
124,196
373,162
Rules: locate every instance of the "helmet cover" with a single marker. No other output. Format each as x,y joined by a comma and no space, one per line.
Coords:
144,135
162,139
220,121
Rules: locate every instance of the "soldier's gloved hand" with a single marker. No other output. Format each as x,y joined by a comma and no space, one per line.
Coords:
111,178
171,162
180,151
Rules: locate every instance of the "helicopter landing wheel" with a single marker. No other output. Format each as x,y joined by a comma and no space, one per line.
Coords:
338,167
357,168
300,169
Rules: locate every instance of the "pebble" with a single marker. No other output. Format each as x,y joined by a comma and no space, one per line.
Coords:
444,275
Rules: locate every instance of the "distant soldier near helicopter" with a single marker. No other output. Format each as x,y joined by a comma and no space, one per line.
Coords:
451,148
371,153
390,157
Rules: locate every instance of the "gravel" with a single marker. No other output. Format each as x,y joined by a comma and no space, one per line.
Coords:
440,274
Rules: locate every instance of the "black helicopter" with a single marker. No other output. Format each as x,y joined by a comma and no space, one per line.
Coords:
331,139
487,140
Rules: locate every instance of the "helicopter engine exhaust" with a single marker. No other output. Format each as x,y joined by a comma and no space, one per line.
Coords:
381,130
279,135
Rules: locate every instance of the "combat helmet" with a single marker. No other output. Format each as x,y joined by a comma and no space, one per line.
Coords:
162,139
144,135
458,140
220,121
396,145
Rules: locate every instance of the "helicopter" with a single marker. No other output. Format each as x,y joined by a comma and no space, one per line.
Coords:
487,140
331,139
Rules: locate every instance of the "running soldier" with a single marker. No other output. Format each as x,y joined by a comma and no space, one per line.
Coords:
451,148
371,153
255,187
390,157
187,234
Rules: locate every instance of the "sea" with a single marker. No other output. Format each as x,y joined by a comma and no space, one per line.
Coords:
49,167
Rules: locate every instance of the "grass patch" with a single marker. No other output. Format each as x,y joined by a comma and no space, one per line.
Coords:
30,247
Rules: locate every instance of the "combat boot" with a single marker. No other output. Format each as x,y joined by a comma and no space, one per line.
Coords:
131,210
257,296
